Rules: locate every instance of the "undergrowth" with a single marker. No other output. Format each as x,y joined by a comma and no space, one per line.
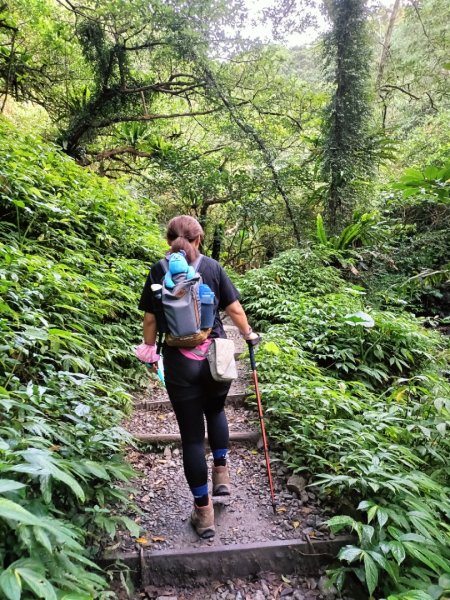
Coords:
73,253
356,397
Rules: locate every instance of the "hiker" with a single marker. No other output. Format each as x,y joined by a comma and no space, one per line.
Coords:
192,391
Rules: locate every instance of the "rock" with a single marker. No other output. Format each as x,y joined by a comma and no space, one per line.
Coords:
312,583
167,598
304,497
296,484
176,452
259,595
265,589
286,592
167,453
325,587
239,596
298,595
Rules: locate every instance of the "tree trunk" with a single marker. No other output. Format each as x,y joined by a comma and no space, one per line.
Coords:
217,241
387,43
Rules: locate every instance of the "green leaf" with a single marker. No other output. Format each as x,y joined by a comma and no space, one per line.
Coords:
37,583
14,512
398,551
337,523
349,553
367,532
412,595
384,563
43,538
428,557
371,573
371,513
132,527
359,318
320,231
382,517
435,591
9,485
271,347
11,585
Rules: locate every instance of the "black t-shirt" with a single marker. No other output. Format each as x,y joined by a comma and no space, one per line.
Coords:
212,274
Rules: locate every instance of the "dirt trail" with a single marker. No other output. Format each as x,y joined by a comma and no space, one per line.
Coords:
165,502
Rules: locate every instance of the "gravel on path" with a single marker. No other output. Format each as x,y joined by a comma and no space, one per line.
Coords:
266,586
162,420
163,496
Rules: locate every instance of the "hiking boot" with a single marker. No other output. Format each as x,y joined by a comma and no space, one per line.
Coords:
221,481
202,520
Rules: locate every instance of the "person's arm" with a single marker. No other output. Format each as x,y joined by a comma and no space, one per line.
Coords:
239,318
147,350
149,329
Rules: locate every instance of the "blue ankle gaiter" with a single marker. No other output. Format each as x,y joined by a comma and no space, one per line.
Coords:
220,457
200,493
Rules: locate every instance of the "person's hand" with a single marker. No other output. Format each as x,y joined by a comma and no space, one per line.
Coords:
252,338
147,353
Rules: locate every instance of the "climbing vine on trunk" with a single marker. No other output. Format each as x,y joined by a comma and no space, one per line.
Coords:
346,159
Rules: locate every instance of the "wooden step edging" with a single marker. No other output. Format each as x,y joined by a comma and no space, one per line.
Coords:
175,438
162,567
234,399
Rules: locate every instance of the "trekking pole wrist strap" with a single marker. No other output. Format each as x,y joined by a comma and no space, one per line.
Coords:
246,335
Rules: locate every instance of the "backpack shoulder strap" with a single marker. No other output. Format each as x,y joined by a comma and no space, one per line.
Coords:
164,264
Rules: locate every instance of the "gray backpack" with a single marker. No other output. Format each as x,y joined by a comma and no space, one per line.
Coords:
182,309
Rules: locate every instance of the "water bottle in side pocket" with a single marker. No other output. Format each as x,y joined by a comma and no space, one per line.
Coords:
208,310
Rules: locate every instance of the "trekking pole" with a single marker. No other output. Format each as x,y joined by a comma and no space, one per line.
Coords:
251,350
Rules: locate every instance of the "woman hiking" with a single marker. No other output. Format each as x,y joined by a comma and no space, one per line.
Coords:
193,393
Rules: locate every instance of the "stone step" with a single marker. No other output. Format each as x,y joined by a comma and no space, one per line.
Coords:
220,563
175,438
235,399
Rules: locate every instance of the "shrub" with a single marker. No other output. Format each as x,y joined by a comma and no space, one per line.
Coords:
355,397
73,249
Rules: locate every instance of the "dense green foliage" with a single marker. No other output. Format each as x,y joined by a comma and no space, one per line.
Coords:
73,257
357,397
406,259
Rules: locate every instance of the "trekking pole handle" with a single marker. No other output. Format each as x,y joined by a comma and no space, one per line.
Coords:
251,350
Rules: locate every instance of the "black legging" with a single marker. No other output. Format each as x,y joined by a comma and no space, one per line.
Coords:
194,393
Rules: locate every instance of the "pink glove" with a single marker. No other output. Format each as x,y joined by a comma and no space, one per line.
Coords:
147,353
